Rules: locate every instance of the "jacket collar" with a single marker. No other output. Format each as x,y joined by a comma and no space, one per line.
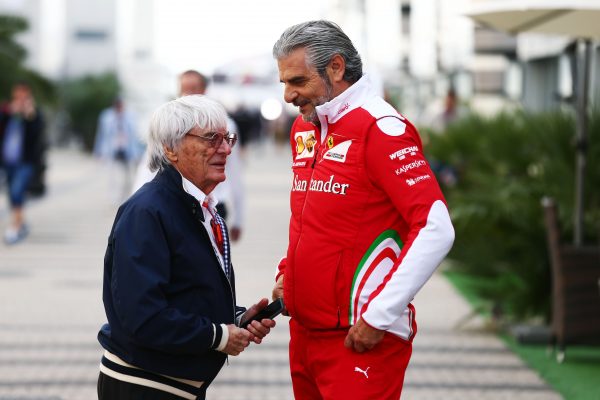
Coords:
170,178
352,98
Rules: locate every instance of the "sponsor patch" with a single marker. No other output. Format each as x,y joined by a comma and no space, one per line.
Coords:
299,185
339,152
305,144
409,166
299,164
391,126
401,154
414,181
343,108
329,186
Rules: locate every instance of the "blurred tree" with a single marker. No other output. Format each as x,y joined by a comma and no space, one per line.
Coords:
504,166
84,98
12,57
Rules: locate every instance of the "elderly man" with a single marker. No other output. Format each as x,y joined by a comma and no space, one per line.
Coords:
369,223
169,290
229,194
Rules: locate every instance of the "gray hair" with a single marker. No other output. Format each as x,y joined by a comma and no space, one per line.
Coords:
172,121
322,40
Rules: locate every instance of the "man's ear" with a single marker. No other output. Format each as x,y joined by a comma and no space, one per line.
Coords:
336,68
171,155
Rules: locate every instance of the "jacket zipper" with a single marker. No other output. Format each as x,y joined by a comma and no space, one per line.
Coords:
312,166
315,158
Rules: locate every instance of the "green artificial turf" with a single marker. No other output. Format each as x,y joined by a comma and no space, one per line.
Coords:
577,378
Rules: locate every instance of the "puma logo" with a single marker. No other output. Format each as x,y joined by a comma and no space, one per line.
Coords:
364,372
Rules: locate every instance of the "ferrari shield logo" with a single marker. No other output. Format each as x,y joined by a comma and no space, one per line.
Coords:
329,142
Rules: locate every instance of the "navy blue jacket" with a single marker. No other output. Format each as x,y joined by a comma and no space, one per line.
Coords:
163,285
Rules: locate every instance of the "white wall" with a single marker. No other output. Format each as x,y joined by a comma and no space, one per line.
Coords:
423,36
91,45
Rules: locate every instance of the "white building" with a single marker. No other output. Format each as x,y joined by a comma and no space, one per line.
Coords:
67,38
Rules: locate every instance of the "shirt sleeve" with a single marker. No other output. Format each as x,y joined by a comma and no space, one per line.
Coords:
396,164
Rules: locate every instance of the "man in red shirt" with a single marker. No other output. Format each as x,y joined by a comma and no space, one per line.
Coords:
369,223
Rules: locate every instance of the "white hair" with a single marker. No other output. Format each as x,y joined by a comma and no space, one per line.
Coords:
172,121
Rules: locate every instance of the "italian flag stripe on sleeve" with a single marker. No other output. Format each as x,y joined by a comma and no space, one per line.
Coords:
372,270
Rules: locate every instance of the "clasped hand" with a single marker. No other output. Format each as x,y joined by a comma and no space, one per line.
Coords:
240,338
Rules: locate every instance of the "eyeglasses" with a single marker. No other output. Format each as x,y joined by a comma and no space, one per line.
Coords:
215,139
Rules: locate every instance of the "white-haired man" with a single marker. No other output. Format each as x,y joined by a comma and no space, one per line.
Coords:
169,289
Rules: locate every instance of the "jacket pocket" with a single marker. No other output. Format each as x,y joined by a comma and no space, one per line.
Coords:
343,284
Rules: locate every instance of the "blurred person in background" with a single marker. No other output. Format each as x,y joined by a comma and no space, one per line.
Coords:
249,123
118,145
169,286
21,148
229,194
369,223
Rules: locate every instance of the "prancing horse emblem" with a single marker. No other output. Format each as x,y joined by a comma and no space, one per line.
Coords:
364,372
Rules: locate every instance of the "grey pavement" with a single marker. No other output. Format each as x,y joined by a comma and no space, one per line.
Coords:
51,308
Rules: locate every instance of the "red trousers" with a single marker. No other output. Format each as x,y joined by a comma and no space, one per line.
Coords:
323,369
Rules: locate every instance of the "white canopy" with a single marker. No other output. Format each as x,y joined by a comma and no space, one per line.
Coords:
575,18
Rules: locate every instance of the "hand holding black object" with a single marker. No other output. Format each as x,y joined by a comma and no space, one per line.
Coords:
259,318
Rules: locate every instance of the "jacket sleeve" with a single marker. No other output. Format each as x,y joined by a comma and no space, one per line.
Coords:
396,164
280,268
141,269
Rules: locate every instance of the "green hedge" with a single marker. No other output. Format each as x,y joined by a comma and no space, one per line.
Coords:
12,59
84,99
503,166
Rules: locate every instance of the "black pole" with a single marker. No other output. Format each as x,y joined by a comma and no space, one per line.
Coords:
584,52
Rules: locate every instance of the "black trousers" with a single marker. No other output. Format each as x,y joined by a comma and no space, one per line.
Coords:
113,389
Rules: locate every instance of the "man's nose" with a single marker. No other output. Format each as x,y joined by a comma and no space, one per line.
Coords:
224,147
289,94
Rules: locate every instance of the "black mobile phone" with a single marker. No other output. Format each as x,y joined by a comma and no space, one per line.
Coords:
270,312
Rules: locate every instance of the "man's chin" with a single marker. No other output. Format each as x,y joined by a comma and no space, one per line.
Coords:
310,117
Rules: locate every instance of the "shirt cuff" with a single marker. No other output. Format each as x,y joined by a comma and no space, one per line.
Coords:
224,338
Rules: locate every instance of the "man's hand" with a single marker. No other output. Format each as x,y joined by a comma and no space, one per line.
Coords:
238,340
258,329
278,293
362,337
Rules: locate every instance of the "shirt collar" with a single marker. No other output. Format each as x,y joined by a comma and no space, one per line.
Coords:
350,99
198,194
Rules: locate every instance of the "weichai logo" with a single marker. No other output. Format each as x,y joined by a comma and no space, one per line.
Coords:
401,154
375,268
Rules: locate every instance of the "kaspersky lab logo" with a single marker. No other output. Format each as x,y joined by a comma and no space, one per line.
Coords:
374,267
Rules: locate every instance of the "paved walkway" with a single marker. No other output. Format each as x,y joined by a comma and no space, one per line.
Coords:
51,309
